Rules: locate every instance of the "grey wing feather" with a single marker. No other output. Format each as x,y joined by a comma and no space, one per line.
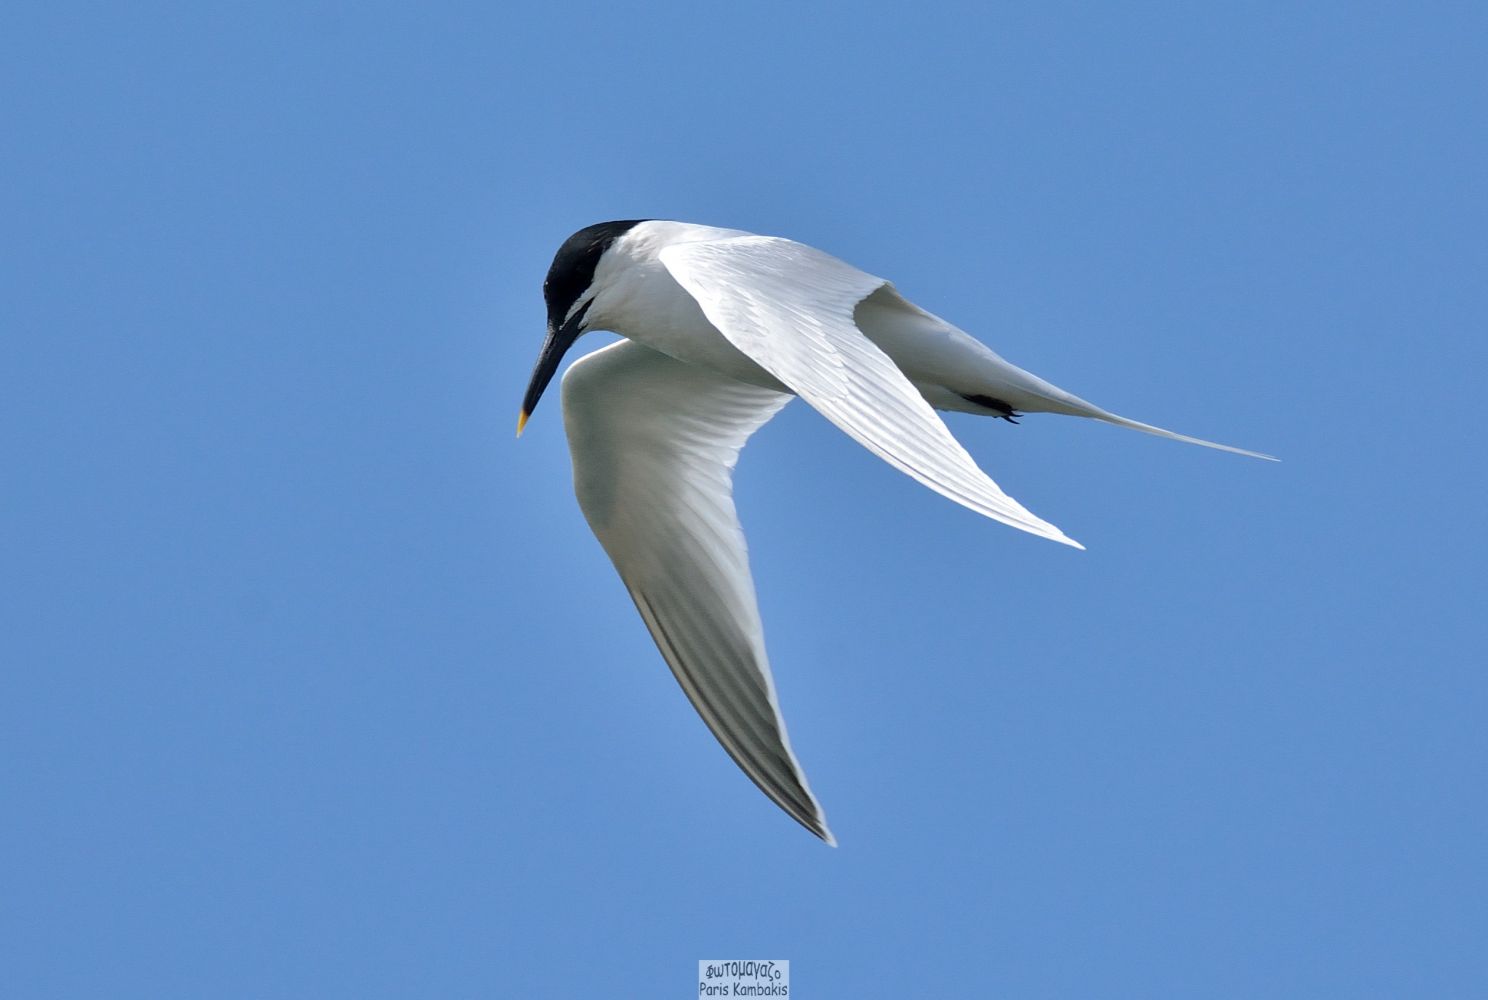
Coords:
790,308
654,442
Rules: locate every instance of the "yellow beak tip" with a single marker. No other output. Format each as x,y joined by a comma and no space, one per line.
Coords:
521,422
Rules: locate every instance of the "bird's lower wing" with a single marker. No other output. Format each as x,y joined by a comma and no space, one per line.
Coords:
654,442
790,308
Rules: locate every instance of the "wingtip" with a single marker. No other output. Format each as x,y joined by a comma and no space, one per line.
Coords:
1044,529
1053,534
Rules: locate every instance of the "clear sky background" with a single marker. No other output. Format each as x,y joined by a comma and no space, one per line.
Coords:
315,684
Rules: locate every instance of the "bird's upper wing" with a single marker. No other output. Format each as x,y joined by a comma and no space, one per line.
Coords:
654,442
790,308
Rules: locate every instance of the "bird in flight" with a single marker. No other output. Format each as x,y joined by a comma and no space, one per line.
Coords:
722,328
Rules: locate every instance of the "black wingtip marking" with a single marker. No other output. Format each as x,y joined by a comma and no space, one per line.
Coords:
997,406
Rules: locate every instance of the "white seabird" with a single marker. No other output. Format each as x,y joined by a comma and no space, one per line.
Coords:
722,328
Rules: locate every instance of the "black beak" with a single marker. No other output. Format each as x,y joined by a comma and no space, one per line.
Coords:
555,345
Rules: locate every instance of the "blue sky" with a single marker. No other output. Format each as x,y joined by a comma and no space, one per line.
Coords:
316,685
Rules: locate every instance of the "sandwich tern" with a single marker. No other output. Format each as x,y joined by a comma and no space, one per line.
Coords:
722,328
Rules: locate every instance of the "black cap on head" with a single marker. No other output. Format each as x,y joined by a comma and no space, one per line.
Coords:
574,264
569,277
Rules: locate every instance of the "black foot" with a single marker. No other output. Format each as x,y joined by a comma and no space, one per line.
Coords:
997,406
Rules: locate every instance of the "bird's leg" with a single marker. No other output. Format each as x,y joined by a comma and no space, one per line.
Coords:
998,407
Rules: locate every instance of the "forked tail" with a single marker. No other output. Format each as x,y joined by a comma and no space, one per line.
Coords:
1137,425
1026,391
